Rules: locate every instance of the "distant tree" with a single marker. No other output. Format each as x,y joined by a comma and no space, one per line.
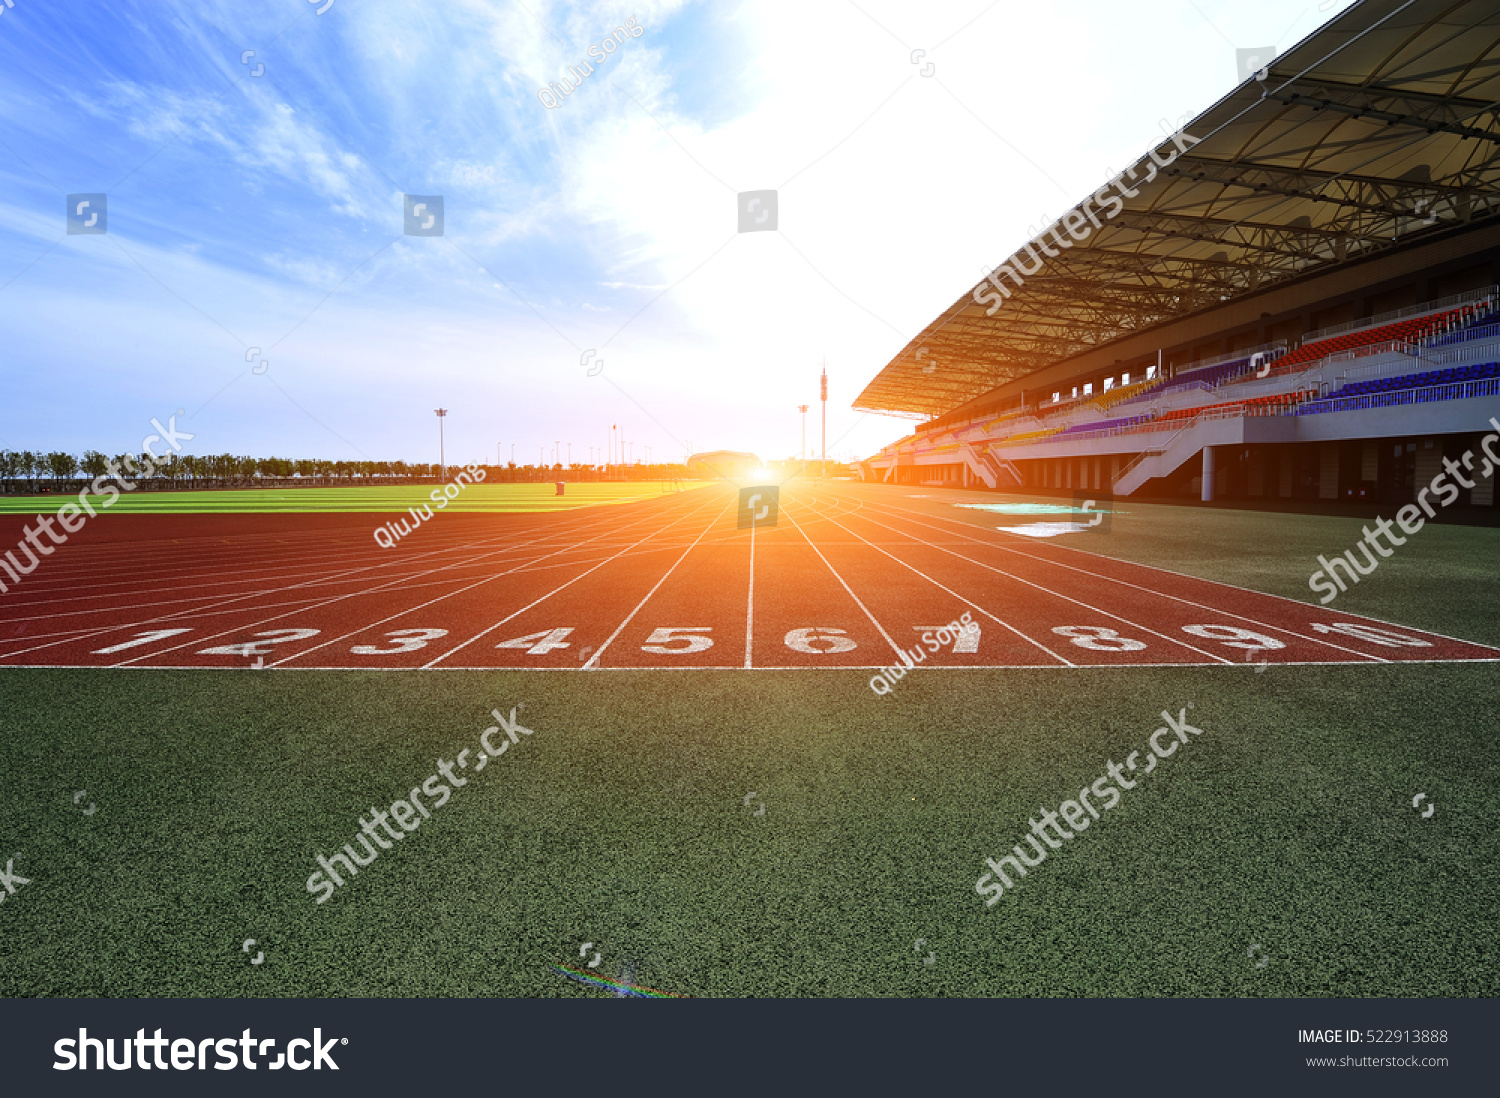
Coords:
94,464
62,467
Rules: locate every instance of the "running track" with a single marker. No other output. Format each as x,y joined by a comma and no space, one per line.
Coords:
845,578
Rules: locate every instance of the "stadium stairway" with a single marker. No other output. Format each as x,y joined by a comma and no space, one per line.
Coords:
1163,459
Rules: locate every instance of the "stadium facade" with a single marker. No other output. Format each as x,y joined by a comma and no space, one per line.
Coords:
1296,295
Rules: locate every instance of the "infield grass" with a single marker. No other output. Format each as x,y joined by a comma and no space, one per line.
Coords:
381,499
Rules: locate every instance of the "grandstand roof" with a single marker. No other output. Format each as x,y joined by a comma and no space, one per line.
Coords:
1377,128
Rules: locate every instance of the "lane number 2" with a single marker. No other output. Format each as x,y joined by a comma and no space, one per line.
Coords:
261,647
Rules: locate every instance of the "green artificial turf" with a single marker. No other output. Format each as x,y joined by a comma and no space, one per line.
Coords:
383,499
1287,825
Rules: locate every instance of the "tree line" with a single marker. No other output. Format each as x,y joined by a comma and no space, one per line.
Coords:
53,471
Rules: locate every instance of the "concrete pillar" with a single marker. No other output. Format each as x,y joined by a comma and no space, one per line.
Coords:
1328,470
1256,473
1208,474
1429,462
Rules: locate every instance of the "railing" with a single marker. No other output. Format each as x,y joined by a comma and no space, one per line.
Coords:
1144,454
1400,314
1385,347
1232,356
1458,390
1457,355
1421,354
1375,369
1463,335
1140,457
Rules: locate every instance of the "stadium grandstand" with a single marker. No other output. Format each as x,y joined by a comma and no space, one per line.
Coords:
1297,299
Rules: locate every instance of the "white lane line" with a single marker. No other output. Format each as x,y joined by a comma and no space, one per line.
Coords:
975,606
750,604
570,583
218,607
366,560
593,661
326,602
451,594
762,669
879,628
1186,601
215,607
1058,594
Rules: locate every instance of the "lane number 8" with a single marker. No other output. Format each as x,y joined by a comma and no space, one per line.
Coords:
1096,638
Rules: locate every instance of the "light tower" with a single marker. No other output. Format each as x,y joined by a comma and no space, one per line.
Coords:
803,409
442,414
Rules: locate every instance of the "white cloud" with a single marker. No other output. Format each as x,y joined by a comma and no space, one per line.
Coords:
613,216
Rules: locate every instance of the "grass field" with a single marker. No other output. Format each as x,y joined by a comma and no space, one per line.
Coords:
1277,855
495,498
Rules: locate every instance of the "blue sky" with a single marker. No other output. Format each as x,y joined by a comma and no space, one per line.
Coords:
258,219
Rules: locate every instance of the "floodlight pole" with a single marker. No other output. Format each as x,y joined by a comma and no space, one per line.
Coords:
442,414
823,474
803,409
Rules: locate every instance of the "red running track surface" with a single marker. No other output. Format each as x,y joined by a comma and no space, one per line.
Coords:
844,579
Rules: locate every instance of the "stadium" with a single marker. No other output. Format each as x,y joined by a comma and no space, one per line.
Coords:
656,737
1295,301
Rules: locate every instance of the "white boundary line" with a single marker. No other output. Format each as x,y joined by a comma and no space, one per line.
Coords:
491,668
1058,594
1187,601
750,599
1216,583
956,595
555,590
881,629
220,607
593,661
